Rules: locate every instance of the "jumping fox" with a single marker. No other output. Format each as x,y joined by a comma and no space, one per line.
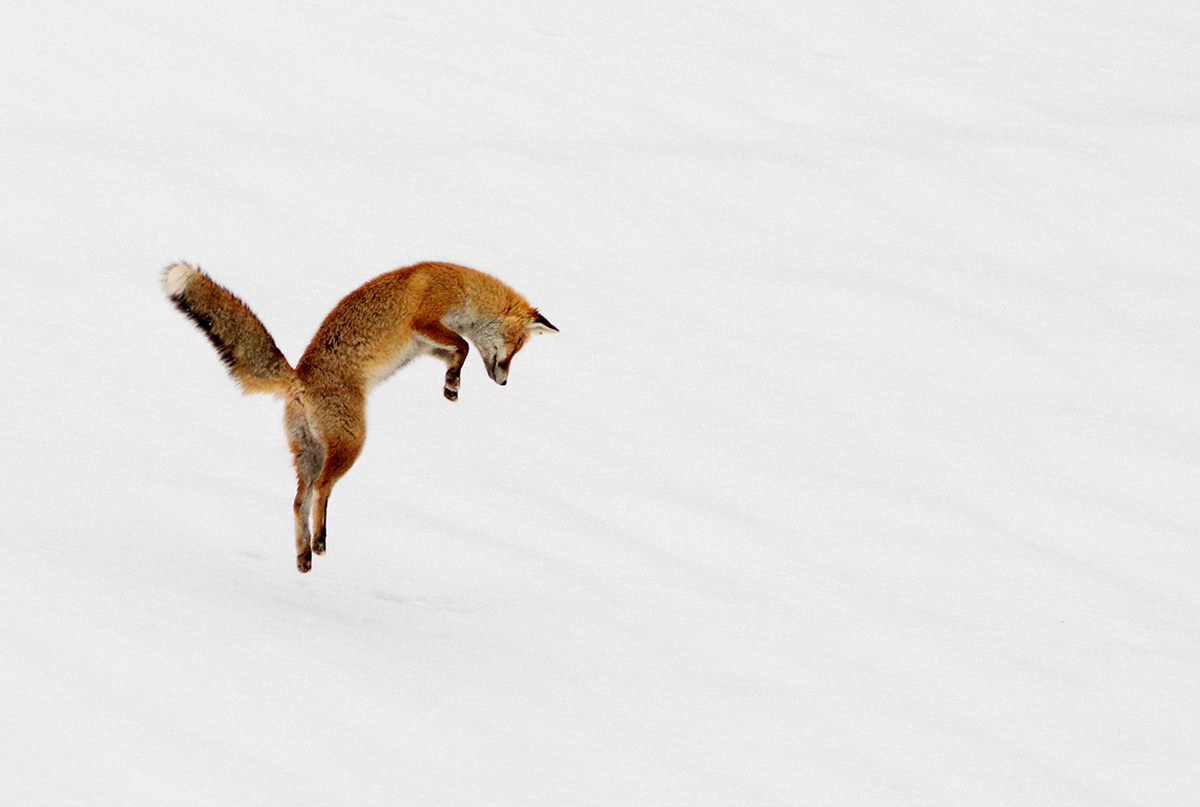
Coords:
427,309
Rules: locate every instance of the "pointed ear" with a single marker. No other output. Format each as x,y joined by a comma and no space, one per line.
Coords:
540,324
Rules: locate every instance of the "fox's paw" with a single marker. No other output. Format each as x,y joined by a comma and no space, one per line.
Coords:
451,390
318,544
451,394
304,562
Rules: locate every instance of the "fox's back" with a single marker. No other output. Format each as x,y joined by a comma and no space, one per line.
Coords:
368,334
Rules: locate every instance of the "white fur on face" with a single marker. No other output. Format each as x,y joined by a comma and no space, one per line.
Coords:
493,353
499,374
484,334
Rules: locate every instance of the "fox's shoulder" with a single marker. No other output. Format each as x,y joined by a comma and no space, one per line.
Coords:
458,288
451,273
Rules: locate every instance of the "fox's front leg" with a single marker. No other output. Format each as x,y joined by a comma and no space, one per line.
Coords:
450,348
454,364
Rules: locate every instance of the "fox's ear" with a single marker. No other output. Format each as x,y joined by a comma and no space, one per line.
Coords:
540,324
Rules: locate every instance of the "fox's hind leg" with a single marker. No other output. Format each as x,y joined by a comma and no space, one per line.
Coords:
308,455
341,421
340,454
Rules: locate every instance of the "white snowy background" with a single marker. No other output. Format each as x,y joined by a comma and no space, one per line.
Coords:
864,470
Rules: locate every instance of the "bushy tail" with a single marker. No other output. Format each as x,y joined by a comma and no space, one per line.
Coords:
240,338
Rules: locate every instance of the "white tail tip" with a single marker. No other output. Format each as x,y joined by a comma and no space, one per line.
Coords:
176,276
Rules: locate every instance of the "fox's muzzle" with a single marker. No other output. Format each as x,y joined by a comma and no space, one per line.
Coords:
498,370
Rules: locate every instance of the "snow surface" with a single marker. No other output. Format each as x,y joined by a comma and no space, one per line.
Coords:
864,470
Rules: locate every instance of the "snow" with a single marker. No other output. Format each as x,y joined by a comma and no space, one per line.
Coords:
863,470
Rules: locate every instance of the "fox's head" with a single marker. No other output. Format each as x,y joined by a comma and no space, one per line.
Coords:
511,334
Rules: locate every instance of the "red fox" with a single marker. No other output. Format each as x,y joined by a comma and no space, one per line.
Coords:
427,309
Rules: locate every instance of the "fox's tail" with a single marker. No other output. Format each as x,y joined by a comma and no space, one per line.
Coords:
240,338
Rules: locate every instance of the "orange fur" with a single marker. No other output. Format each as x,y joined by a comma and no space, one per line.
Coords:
428,309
